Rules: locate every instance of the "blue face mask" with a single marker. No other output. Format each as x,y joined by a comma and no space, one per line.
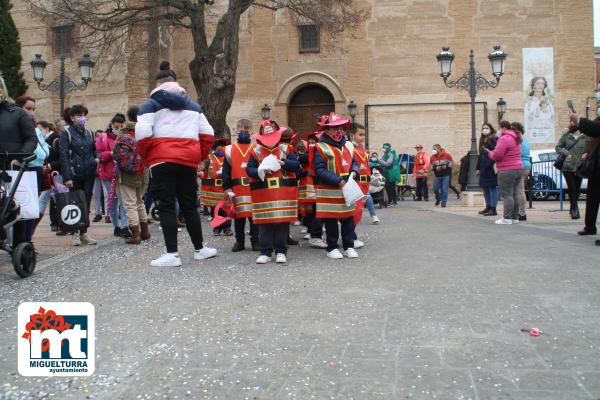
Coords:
598,96
219,153
244,137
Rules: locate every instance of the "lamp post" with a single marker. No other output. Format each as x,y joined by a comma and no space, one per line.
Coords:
352,109
472,81
501,106
265,112
62,84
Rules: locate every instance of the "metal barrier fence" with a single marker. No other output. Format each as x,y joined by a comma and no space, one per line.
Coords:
545,182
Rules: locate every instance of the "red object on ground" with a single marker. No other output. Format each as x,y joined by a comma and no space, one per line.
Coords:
228,207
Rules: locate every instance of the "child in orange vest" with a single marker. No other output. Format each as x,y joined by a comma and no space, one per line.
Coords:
334,162
274,192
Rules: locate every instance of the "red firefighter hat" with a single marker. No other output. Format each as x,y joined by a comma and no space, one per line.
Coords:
268,134
419,146
334,120
321,122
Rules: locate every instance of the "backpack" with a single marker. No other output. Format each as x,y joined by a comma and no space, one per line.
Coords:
125,154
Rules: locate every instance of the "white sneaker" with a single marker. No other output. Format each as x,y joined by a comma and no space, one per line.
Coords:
351,253
209,219
297,223
75,241
263,259
375,220
515,221
358,244
335,254
281,259
503,221
86,239
318,243
304,230
167,260
160,229
204,253
307,236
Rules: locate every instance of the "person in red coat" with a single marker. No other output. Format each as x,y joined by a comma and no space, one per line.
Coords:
421,171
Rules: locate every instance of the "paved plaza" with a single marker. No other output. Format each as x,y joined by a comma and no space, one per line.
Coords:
432,309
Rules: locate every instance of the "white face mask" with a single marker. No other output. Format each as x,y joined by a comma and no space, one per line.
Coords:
485,131
434,152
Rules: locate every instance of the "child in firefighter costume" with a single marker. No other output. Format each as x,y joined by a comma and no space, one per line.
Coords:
275,194
334,162
212,184
236,185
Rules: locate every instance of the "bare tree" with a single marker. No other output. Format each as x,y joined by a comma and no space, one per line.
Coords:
106,25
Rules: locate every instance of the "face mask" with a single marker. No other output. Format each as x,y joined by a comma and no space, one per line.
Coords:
434,152
117,131
219,153
485,132
81,121
598,96
31,114
312,145
337,135
243,136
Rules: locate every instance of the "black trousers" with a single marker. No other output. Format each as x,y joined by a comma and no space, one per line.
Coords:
273,237
573,187
175,182
314,224
422,190
333,233
239,225
592,202
390,188
87,185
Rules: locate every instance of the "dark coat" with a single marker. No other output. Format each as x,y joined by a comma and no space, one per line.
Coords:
463,172
53,159
323,175
485,166
77,155
591,129
17,132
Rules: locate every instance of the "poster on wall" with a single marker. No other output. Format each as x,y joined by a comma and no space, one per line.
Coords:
539,95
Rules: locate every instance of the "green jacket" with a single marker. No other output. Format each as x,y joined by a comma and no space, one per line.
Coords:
571,143
391,172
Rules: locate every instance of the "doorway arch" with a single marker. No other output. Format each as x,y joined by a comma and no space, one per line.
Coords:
306,105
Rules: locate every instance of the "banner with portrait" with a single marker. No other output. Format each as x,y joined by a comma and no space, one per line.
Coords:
539,95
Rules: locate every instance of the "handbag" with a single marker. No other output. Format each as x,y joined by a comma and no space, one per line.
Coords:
27,195
72,210
589,166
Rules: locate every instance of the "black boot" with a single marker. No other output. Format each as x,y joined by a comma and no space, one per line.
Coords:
491,212
486,209
575,213
597,242
125,233
238,246
255,246
117,232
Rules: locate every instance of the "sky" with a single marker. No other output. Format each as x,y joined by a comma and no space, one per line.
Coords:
597,23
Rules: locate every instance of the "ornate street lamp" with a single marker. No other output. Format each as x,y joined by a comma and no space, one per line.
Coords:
472,81
265,112
352,109
62,84
501,106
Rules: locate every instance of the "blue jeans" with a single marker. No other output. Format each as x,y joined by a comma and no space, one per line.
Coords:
491,196
111,209
98,196
370,206
440,188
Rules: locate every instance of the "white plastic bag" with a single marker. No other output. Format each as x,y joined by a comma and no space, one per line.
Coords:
27,194
269,163
352,192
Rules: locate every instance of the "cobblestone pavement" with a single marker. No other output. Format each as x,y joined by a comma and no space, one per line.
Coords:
432,309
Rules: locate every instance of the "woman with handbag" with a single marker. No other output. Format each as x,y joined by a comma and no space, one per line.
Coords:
569,149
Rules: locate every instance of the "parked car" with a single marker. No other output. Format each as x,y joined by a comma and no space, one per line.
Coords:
547,180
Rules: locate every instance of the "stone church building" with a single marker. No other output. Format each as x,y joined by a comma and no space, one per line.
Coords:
387,66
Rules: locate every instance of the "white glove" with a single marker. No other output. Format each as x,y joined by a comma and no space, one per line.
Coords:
220,172
231,195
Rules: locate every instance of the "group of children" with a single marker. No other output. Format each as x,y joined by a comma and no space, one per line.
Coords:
274,176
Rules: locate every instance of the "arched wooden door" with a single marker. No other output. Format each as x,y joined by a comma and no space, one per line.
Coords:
307,105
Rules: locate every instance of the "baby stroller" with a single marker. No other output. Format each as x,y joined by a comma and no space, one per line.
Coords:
379,196
23,255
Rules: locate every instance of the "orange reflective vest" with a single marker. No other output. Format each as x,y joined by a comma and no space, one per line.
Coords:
237,156
212,187
276,199
330,199
362,159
